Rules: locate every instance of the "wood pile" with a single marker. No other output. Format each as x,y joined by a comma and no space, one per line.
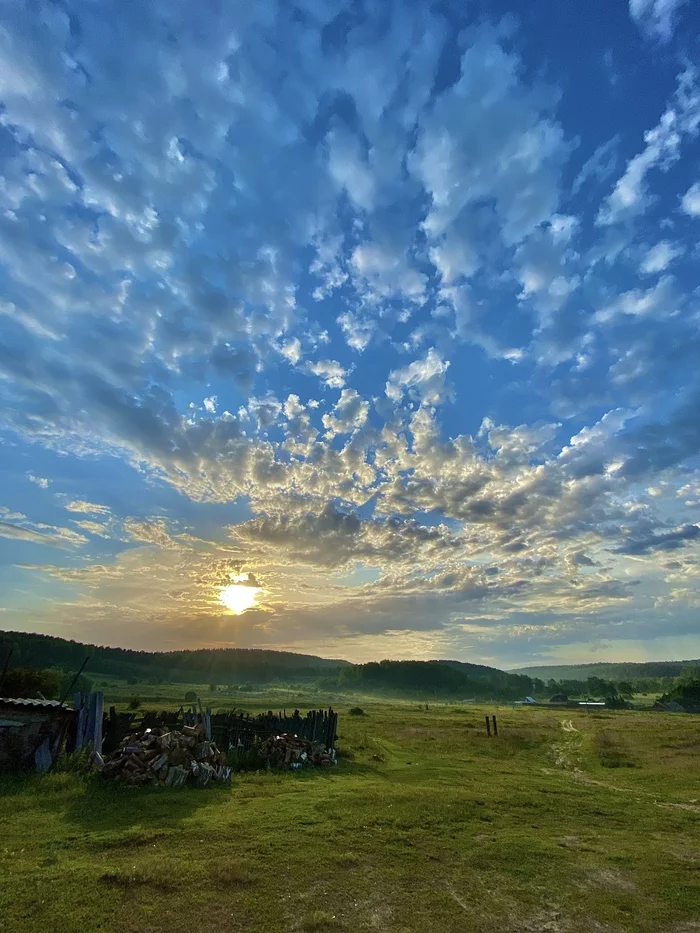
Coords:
291,751
167,758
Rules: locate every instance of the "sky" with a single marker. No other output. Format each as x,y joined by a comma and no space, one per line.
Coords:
368,330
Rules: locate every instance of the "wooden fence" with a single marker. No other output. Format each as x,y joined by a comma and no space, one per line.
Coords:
88,722
229,729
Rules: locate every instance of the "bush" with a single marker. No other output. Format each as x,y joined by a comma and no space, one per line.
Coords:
26,682
190,697
248,759
356,711
82,685
134,703
613,750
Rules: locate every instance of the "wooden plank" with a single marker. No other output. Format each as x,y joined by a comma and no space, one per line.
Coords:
99,716
80,721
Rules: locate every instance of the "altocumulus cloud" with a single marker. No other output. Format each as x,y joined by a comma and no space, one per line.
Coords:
443,349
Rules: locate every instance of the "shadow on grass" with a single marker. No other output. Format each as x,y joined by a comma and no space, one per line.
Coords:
110,806
92,804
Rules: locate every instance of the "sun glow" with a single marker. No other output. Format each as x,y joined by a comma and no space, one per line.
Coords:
239,595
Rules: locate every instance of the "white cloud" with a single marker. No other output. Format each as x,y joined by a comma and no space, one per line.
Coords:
329,371
659,257
690,202
661,300
386,271
40,481
350,413
600,165
265,410
89,508
210,404
489,136
425,377
291,350
349,170
358,332
656,18
662,149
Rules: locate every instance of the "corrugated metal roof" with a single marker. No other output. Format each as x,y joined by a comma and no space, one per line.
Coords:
39,704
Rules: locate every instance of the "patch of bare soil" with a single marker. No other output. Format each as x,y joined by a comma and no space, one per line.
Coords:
609,879
691,807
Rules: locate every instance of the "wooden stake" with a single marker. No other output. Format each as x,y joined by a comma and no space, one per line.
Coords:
495,726
488,727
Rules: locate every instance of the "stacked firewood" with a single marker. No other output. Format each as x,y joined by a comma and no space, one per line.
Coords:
167,758
290,751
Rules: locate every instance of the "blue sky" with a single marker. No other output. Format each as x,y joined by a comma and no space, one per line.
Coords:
388,311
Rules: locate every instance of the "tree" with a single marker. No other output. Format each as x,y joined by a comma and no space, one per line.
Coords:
625,689
212,688
83,684
190,697
134,703
597,686
615,701
26,682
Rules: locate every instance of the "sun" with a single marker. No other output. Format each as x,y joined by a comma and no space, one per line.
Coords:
238,598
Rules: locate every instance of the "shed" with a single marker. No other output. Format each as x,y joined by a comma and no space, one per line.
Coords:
559,698
32,732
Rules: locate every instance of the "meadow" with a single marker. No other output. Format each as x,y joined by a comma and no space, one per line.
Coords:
567,821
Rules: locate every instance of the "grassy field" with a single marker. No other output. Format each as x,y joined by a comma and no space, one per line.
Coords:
583,822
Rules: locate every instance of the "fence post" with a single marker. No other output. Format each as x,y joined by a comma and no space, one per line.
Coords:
495,726
488,726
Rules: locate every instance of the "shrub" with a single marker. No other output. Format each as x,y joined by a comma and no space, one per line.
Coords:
356,711
246,759
26,682
82,685
190,697
134,703
613,750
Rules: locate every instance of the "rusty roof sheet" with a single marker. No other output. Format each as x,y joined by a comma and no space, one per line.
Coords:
36,704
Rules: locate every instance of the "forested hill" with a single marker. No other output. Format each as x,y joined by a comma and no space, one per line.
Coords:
439,678
243,665
628,670
223,665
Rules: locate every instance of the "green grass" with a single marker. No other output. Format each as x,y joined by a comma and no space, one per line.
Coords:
567,822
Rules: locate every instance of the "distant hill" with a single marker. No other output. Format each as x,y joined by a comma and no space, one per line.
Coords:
454,679
438,678
609,671
220,665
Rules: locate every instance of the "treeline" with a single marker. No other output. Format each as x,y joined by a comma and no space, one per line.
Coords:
436,678
656,672
601,687
207,665
49,683
685,689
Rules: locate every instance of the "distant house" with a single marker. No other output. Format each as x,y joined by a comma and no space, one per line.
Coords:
559,698
528,701
669,707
